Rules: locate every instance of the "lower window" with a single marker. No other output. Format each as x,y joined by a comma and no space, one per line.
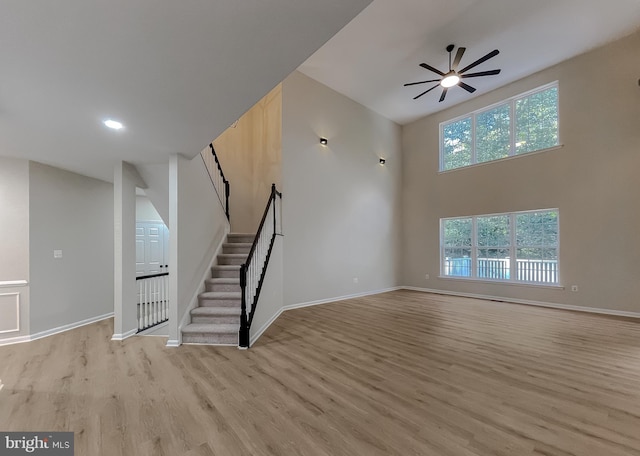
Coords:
510,247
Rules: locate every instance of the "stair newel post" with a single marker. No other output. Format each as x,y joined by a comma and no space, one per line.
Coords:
243,337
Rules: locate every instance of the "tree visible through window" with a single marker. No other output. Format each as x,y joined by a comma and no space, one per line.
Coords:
520,246
488,134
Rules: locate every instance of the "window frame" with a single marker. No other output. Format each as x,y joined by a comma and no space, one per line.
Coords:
512,128
513,248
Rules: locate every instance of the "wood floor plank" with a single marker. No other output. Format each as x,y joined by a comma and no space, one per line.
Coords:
392,374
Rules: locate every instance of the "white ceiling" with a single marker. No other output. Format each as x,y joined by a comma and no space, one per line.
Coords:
375,54
176,73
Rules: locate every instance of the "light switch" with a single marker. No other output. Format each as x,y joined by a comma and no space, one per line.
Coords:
57,254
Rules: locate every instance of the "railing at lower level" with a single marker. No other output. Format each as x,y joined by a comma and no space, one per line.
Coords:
253,271
539,271
153,300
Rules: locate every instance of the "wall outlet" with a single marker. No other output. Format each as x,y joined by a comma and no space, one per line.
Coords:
57,254
426,276
355,280
574,287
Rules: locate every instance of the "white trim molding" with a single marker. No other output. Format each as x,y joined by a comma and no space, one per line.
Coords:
13,283
15,302
172,343
126,335
51,332
552,305
70,326
264,327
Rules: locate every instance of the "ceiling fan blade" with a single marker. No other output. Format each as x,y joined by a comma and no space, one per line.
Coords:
480,60
426,91
430,68
467,87
459,55
444,94
481,73
421,82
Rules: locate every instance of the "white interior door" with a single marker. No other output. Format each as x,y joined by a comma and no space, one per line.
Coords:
151,248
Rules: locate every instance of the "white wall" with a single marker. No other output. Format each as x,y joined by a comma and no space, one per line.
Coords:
198,225
341,209
125,181
72,213
271,296
14,247
145,211
592,180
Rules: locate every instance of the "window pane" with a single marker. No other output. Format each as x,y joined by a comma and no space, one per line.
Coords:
457,262
537,121
457,247
493,264
493,231
493,134
456,144
537,252
537,229
457,232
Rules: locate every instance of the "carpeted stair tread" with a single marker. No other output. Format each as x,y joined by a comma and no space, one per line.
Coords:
225,280
207,311
220,295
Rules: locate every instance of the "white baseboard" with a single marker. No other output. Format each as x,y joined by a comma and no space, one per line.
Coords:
59,329
173,343
340,298
15,340
149,331
126,335
264,327
552,305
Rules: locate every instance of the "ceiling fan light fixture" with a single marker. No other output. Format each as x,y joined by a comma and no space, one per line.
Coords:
450,80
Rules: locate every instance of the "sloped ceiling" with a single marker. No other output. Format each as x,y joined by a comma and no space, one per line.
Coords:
371,58
176,73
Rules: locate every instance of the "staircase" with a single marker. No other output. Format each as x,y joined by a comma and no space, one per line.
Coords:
216,320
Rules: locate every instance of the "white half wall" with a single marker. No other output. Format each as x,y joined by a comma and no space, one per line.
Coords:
341,209
14,248
125,181
198,225
71,248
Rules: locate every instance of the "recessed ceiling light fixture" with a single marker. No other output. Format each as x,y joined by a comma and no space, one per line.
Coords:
113,124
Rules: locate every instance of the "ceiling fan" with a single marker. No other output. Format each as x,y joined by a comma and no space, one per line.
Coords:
454,76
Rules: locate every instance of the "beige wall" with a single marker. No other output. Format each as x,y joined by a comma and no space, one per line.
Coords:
593,180
250,156
341,209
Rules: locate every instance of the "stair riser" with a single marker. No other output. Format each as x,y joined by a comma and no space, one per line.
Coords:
240,238
223,287
204,302
204,338
212,319
230,249
231,261
225,274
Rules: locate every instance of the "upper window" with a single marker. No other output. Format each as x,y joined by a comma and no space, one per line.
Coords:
522,124
514,247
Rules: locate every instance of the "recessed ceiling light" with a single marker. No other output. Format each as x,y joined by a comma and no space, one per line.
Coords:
113,124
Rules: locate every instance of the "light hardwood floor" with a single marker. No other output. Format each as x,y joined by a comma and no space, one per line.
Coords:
402,373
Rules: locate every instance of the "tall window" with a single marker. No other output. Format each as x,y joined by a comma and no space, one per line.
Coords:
513,247
522,124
